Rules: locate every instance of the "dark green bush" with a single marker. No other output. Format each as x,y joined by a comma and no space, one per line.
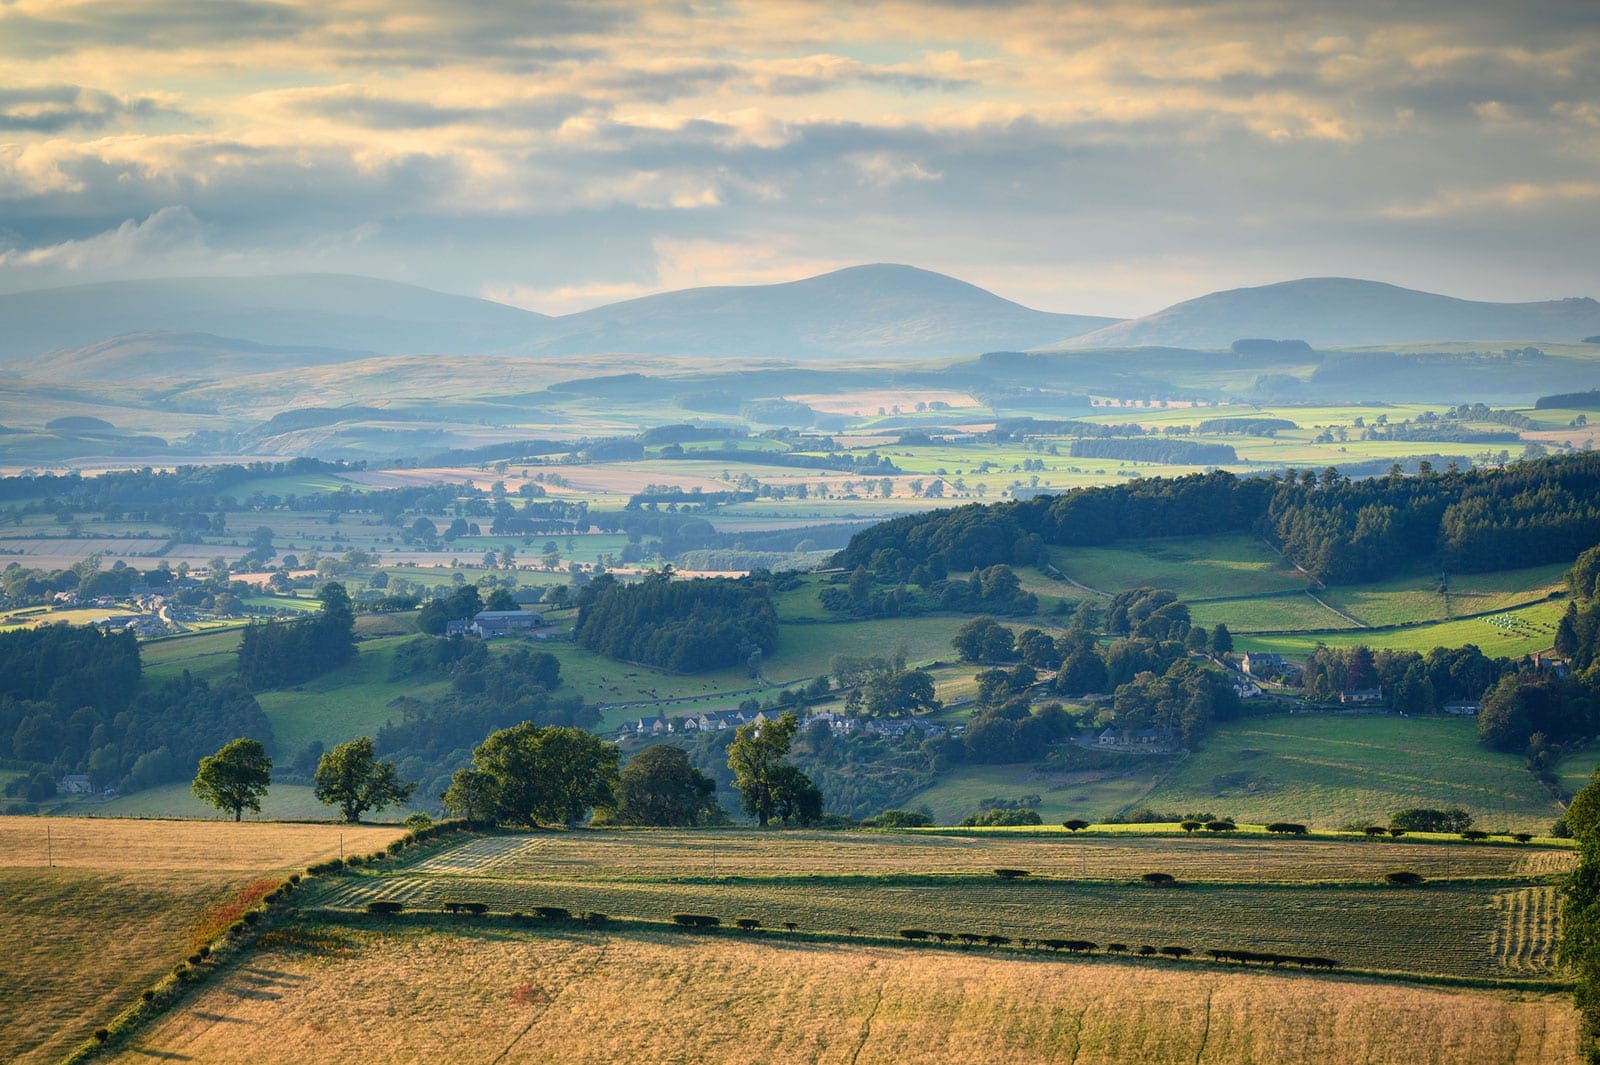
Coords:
746,924
915,934
1159,879
556,913
1403,878
385,907
695,920
1010,874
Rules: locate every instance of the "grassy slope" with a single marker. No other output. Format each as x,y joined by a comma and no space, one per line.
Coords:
1510,634
657,996
114,913
1332,771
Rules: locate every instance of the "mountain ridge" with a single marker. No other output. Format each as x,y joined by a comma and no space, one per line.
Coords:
1342,312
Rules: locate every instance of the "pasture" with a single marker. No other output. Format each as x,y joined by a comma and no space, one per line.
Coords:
335,992
1334,770
112,905
1508,634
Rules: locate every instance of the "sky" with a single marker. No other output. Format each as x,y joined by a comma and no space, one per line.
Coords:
1107,157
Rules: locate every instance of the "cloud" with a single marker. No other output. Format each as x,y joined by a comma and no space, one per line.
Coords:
169,232
568,150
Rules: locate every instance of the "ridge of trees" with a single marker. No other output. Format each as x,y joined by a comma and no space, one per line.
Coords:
282,653
684,626
1340,530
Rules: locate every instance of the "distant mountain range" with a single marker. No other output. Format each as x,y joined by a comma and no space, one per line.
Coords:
209,327
1343,312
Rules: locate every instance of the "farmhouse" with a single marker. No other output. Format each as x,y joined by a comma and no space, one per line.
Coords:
492,623
1362,696
75,784
1265,665
1463,708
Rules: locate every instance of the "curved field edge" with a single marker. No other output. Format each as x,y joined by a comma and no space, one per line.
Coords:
112,905
333,992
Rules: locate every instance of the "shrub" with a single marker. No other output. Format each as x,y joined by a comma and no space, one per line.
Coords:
1176,953
417,822
1220,826
1159,879
1403,878
1002,819
595,917
1427,819
294,878
1374,830
252,917
915,934
1078,946
1474,834
1010,874
1116,948
1287,828
903,819
557,913
195,959
1075,824
695,920
996,940
181,971
204,951
1191,826
746,924
475,909
1396,833
1146,950
102,1034
148,994
1522,837
385,907
789,926
396,847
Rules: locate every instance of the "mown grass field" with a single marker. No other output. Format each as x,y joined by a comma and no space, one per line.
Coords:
336,992
1330,770
1327,900
116,909
1090,793
1295,612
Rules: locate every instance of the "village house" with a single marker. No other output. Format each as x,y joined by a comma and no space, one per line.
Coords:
1463,707
75,784
1362,697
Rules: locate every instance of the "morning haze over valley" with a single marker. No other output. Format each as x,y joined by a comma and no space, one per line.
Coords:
943,531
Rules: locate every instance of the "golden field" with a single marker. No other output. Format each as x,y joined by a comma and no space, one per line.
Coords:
355,992
121,904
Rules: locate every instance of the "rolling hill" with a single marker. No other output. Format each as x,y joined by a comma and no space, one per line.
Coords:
361,314
1339,311
876,311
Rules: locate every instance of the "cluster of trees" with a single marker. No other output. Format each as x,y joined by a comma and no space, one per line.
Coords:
684,626
71,702
993,590
1170,452
1413,682
283,653
1338,529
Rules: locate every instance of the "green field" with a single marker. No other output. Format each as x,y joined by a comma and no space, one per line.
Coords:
1293,612
1510,634
1089,793
1325,902
1332,771
1203,567
1405,600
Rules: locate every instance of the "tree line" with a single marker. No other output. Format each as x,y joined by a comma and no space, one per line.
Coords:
1338,529
683,626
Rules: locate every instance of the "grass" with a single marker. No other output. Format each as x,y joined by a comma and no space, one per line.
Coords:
958,791
1416,597
1277,613
1510,634
284,802
879,884
114,912
335,992
1200,567
1576,769
1336,770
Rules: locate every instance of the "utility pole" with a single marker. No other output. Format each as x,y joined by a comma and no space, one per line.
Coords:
49,851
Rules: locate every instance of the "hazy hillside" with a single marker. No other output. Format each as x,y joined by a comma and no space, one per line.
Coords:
880,310
182,355
317,310
1337,311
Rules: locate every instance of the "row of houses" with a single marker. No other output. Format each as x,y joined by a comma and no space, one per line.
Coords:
721,720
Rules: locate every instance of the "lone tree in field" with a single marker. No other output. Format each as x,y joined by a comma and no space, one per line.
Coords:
549,774
659,787
235,777
759,772
351,778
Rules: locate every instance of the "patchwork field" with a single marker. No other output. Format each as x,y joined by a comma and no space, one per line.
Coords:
105,907
1316,898
334,993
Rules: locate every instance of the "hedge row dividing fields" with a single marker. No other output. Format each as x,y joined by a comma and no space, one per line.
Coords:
710,855
1439,929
